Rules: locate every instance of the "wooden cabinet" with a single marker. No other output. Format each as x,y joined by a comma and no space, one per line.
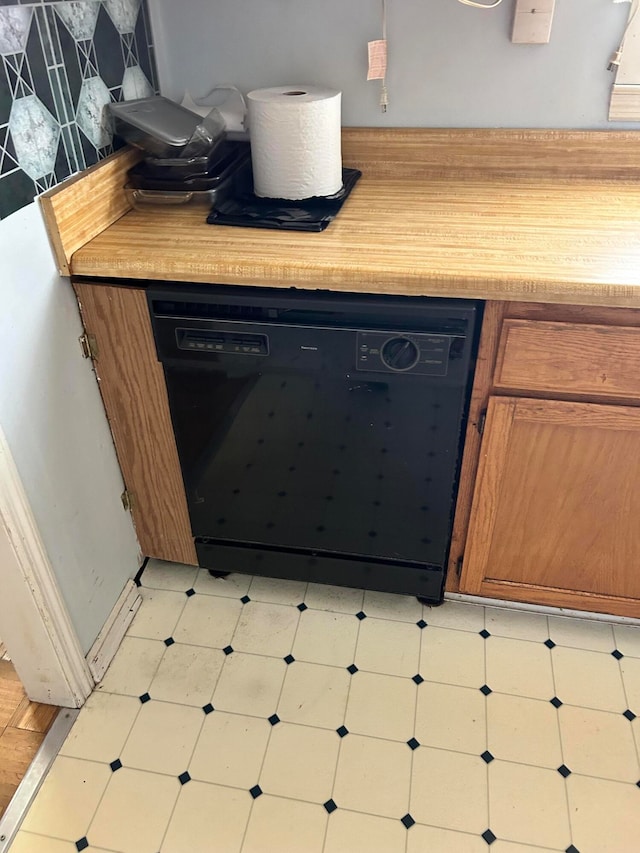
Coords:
549,496
555,509
556,505
135,399
569,359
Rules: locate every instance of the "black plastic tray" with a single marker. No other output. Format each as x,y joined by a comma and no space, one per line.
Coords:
247,210
230,156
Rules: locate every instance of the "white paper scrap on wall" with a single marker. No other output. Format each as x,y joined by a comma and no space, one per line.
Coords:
377,60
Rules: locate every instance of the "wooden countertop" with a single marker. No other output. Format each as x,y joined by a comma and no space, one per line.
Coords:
516,215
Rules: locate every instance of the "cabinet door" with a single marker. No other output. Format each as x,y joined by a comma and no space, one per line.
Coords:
135,398
556,506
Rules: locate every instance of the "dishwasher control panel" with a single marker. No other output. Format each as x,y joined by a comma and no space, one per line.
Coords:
217,340
405,352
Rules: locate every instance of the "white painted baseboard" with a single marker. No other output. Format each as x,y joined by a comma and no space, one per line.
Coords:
544,609
108,640
35,621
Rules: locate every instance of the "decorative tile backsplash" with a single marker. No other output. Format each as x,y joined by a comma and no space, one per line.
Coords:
60,63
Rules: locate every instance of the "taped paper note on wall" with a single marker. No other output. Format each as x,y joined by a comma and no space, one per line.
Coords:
377,59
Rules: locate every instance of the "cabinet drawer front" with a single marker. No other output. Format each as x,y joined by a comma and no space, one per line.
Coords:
601,362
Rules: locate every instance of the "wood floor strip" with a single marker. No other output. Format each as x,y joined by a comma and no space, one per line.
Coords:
33,716
11,693
23,726
17,749
28,787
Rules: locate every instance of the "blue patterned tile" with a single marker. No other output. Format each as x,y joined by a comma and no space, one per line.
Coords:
135,84
123,13
15,22
79,18
35,134
91,116
61,62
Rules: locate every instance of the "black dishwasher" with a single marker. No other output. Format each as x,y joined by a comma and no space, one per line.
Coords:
319,434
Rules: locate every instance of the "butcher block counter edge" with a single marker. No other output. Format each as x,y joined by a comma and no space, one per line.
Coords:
536,216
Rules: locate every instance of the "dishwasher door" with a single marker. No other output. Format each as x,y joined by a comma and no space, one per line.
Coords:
300,447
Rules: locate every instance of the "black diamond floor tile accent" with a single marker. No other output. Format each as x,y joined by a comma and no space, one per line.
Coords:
413,743
302,607
169,641
145,698
274,719
550,644
487,757
484,634
489,837
190,592
342,731
617,655
556,702
361,615
183,778
408,821
564,771
228,650
571,849
82,844
421,624
638,784
629,715
208,708
245,599
417,679
116,765
255,792
330,806
289,659
486,689
352,669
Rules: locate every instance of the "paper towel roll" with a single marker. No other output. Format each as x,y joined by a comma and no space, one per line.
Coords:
295,141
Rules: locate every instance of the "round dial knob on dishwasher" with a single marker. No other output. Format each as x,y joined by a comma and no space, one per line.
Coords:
399,354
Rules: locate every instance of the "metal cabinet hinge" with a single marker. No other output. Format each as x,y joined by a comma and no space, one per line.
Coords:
89,346
128,500
481,421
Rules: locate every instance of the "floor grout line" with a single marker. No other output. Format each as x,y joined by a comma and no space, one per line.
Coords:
415,723
486,726
561,740
124,746
344,719
370,672
264,757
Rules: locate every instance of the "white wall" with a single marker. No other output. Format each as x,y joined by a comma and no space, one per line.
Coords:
449,65
54,422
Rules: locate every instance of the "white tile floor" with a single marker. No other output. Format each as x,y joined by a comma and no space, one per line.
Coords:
261,716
